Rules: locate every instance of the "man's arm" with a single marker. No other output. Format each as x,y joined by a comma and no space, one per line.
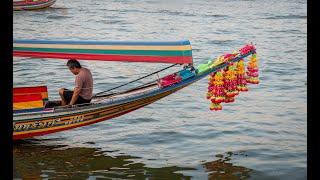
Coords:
75,96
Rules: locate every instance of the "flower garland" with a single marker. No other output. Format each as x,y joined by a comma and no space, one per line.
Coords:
242,83
252,70
226,83
230,83
216,92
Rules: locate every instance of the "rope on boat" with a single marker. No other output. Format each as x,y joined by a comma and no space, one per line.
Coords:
96,95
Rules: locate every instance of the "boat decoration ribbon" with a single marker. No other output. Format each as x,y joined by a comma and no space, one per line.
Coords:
225,84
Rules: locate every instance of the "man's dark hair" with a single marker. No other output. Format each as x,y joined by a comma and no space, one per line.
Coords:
73,63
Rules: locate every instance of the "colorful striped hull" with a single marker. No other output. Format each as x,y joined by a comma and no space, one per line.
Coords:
32,5
29,98
155,52
42,90
27,102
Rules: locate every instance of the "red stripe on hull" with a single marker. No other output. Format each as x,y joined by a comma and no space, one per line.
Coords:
36,89
26,98
104,57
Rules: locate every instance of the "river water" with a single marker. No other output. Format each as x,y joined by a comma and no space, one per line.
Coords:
262,135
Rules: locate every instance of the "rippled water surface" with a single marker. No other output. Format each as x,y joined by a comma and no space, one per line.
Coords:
263,134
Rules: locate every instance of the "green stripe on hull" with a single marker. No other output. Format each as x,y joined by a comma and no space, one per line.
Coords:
118,52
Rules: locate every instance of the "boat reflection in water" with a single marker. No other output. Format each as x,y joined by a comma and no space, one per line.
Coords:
222,169
36,161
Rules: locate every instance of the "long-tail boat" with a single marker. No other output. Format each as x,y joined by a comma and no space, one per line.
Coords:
33,118
19,5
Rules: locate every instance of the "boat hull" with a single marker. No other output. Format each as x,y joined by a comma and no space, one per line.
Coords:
30,127
32,5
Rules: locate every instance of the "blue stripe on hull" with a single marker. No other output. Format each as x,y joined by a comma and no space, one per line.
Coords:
131,43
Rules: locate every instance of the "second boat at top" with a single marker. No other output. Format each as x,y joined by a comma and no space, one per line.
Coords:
19,5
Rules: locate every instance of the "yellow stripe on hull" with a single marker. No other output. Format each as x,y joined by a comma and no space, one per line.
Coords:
27,105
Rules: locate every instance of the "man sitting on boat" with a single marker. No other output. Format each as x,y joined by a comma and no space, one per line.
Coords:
82,92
